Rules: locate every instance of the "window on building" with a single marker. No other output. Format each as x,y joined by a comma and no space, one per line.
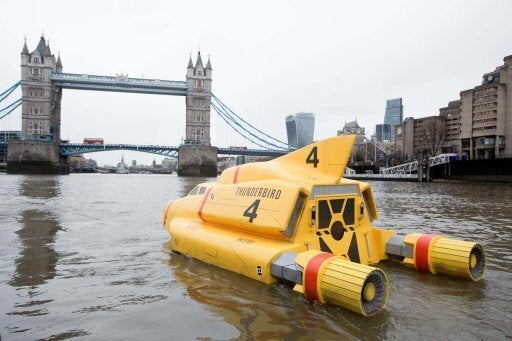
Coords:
36,92
198,83
34,72
35,111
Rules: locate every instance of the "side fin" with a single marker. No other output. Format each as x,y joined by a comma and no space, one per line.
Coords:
326,158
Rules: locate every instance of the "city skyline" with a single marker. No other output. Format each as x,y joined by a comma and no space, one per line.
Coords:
316,58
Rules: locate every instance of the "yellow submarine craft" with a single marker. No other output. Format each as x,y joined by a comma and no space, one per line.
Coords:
294,219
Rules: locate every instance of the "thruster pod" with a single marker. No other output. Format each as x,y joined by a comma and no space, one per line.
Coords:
438,254
327,278
295,219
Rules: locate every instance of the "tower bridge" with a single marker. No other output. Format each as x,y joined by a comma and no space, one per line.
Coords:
42,83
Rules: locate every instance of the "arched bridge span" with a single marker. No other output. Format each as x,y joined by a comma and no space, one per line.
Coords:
168,151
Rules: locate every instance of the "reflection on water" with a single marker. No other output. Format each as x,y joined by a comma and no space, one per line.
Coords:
37,260
261,311
38,188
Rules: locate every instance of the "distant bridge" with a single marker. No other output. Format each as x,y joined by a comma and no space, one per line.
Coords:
413,166
168,151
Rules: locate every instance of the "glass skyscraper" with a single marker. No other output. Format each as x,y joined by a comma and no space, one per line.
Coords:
383,132
300,129
394,115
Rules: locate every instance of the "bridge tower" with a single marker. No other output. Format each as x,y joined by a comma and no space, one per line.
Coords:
38,150
196,155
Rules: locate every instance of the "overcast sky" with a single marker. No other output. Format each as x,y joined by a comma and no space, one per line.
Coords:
338,59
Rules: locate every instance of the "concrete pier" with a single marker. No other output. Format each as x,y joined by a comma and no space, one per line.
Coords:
35,157
196,160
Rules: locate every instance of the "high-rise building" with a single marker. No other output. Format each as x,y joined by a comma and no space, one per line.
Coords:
479,124
300,129
476,126
394,115
420,135
383,132
451,115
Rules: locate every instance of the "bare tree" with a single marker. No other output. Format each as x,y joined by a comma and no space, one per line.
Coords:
433,136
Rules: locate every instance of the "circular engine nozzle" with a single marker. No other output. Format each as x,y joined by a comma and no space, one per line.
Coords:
449,256
477,262
335,280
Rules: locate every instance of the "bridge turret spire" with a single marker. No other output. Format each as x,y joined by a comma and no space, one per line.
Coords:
199,61
47,51
41,47
25,48
190,65
58,65
208,65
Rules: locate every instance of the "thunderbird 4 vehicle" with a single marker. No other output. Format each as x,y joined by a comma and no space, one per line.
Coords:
295,219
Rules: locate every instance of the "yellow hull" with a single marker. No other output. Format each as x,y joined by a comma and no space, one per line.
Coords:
295,219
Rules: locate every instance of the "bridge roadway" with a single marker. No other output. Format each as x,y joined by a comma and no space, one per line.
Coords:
169,151
120,83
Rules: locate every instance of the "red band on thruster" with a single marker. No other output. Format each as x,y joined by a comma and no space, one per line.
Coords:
200,212
311,275
421,252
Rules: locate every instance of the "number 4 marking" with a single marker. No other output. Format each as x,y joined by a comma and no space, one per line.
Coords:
250,212
313,157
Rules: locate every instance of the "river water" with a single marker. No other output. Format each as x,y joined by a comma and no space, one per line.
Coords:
84,256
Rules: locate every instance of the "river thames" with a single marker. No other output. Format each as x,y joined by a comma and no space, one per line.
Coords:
84,256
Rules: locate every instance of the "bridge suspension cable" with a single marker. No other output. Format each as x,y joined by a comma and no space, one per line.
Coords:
367,140
10,108
258,137
254,139
250,125
7,92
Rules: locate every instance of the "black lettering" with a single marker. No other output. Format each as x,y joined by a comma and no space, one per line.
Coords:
260,190
250,212
278,194
264,195
272,193
313,157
